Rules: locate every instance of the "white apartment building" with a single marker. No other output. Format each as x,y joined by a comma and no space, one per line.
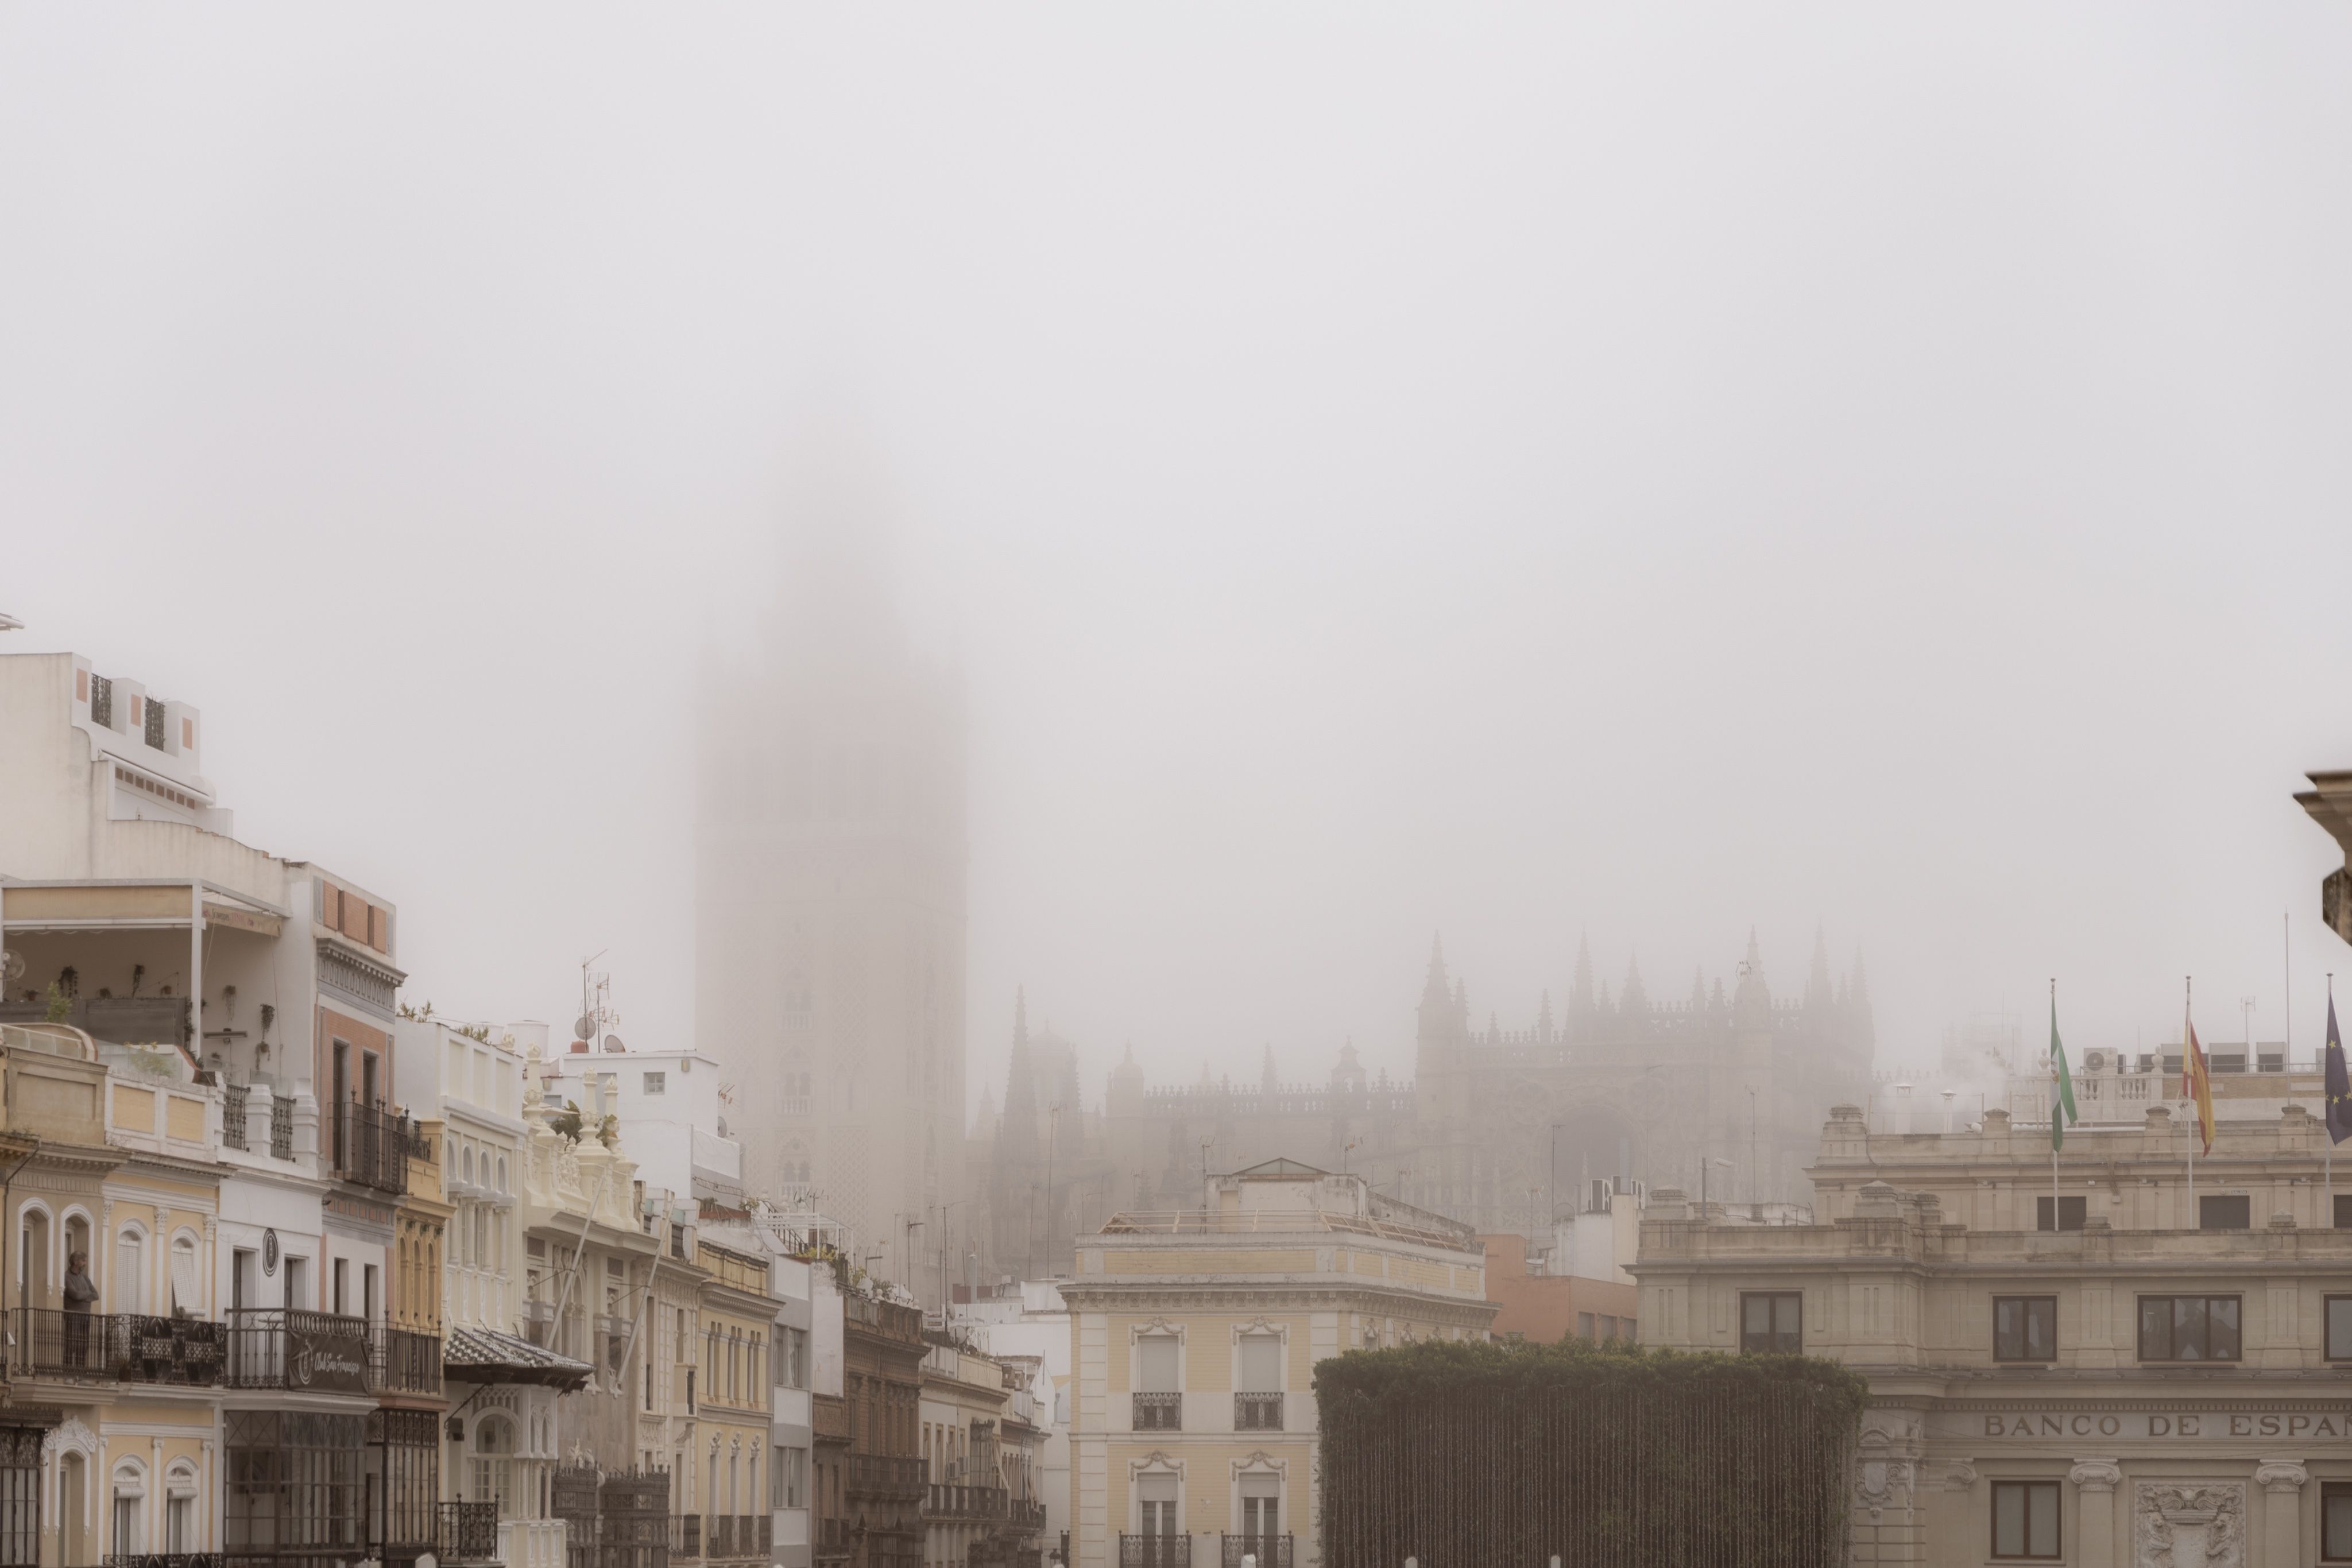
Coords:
504,1387
671,1101
1026,1322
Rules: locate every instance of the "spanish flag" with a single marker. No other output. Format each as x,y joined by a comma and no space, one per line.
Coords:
2195,1084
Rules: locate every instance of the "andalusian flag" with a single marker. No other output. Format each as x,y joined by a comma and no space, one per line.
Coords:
2062,1108
2195,1083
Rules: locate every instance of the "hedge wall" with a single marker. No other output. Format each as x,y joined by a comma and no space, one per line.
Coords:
1490,1455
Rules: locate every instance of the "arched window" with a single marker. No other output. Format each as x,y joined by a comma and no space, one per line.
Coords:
129,1508
33,1269
180,1507
129,1281
502,1173
187,1295
494,1446
470,1164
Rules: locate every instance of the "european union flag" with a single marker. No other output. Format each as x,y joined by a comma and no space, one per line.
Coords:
2339,1083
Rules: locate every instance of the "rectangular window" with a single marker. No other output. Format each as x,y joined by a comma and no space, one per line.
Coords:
2343,1216
1772,1321
343,1294
657,1082
2024,1328
1584,1325
1258,1368
1156,1364
2069,1214
2339,1328
2228,1213
2189,1328
2025,1519
2335,1521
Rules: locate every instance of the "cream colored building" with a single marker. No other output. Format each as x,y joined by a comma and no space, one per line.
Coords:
1195,1335
2104,1376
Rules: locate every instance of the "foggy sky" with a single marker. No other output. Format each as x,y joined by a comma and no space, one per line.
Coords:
1379,472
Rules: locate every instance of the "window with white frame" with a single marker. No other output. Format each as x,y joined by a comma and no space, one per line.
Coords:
180,1508
186,1297
1156,1359
129,1508
1155,1504
1261,1505
1258,1364
129,1281
493,1463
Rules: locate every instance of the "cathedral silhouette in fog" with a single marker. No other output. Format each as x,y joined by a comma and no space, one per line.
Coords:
1503,1129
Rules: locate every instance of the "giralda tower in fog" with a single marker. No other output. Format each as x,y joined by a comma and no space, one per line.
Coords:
829,898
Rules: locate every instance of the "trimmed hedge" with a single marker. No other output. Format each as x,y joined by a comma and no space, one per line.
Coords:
1493,1456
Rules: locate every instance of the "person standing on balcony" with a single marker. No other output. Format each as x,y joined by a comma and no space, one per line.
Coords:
79,1292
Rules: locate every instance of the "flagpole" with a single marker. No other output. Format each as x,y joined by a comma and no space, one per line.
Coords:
2327,1165
2187,1030
2057,1219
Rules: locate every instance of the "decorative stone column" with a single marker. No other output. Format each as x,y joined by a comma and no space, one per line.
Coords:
2281,1482
2095,1481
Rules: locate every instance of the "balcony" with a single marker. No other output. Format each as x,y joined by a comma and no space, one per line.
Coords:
162,1560
1026,1515
118,1347
370,1147
232,1097
734,1535
686,1535
832,1537
1262,1551
950,1501
466,1533
401,1361
1158,1412
281,1132
1257,1412
887,1475
279,1347
1155,1551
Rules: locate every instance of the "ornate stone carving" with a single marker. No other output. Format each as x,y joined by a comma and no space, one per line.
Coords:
2189,1525
2096,1475
2281,1476
1959,1475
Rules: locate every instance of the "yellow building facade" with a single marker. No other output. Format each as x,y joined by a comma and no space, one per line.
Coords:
1194,1340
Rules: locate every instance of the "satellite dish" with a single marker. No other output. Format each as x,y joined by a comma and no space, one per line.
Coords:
584,1029
722,1127
611,1042
12,965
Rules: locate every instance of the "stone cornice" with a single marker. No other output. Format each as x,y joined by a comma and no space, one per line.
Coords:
1359,1297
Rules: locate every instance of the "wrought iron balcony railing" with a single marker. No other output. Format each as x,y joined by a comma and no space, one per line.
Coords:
1257,1412
467,1532
121,1347
887,1475
1262,1550
1155,1551
1158,1412
281,1126
403,1361
280,1347
372,1146
232,1097
686,1535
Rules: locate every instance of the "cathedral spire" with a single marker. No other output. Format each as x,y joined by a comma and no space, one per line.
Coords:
1268,1082
1580,995
1633,1001
1861,1033
1440,1021
1818,998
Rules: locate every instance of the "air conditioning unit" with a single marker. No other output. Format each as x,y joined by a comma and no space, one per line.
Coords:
2097,1061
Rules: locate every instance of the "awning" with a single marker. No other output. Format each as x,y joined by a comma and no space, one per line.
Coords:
485,1356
